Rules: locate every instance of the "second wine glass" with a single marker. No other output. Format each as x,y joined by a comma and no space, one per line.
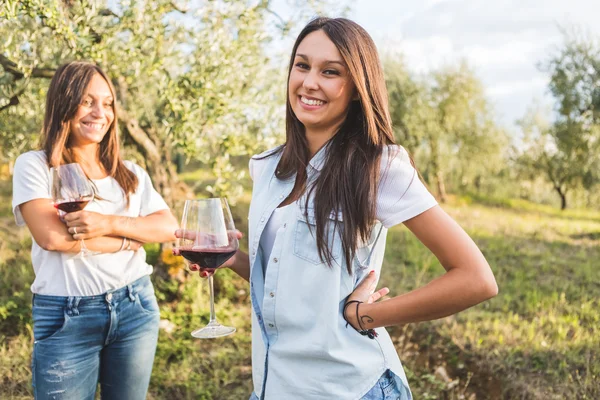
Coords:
71,191
208,239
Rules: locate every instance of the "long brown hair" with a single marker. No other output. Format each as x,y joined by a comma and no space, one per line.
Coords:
349,177
64,97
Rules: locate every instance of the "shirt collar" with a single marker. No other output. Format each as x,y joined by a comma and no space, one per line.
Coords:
318,160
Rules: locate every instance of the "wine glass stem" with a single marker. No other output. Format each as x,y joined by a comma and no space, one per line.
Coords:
212,300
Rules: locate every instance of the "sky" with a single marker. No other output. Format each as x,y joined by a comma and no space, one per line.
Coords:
504,41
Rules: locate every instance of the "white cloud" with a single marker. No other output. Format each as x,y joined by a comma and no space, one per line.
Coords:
510,88
504,40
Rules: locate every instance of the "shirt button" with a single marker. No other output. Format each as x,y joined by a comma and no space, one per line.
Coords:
275,260
253,253
271,325
262,220
272,294
285,225
281,197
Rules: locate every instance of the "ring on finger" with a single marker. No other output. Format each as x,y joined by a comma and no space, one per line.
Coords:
74,230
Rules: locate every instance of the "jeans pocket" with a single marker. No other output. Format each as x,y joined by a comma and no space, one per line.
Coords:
147,300
48,322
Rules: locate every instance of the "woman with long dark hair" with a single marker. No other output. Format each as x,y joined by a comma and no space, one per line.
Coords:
321,207
95,317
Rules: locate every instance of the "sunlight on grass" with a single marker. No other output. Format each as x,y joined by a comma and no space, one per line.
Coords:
545,322
538,339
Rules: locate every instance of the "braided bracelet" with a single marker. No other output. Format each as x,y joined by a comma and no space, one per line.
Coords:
371,333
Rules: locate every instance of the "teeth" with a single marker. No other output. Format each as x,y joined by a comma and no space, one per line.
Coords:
94,126
311,102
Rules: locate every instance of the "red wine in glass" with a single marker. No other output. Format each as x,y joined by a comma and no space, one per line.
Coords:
207,258
72,206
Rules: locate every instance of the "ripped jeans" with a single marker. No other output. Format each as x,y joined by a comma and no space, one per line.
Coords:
82,341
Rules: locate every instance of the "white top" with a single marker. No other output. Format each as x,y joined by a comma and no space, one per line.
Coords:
276,221
301,346
60,274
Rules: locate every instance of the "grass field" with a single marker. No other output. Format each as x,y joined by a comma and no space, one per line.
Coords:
538,339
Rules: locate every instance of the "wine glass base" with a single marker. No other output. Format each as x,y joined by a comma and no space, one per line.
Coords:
213,330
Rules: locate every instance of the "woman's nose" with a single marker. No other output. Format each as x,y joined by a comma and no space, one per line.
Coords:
98,110
311,81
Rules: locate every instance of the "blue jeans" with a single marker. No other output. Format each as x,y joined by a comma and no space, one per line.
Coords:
388,387
109,338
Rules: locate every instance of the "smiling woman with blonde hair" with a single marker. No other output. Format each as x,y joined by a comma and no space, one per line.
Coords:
95,318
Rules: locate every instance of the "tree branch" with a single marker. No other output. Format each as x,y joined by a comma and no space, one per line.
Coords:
140,136
283,24
11,67
177,7
46,73
12,102
107,12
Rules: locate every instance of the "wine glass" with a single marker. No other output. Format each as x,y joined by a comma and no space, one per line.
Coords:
71,191
208,239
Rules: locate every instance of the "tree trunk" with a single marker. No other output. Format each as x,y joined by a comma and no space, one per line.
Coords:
478,183
563,197
437,170
441,187
161,170
158,162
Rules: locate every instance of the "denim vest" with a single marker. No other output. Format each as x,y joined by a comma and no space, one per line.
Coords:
301,346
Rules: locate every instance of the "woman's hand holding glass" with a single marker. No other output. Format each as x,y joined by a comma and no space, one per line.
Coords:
206,272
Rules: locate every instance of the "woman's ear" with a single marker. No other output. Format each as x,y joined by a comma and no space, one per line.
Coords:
355,97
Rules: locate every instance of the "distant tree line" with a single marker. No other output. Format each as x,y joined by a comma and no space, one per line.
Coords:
447,122
197,81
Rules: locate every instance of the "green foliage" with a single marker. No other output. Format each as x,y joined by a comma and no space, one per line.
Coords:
536,340
192,78
447,123
567,152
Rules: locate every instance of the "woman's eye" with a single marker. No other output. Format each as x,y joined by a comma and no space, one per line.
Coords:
87,103
302,65
331,72
108,105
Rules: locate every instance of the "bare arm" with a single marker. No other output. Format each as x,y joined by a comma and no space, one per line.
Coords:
240,264
156,227
468,279
52,234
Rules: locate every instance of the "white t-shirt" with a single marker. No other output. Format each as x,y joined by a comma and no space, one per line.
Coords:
267,239
60,274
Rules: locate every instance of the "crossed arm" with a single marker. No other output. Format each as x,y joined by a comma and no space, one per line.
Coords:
102,233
